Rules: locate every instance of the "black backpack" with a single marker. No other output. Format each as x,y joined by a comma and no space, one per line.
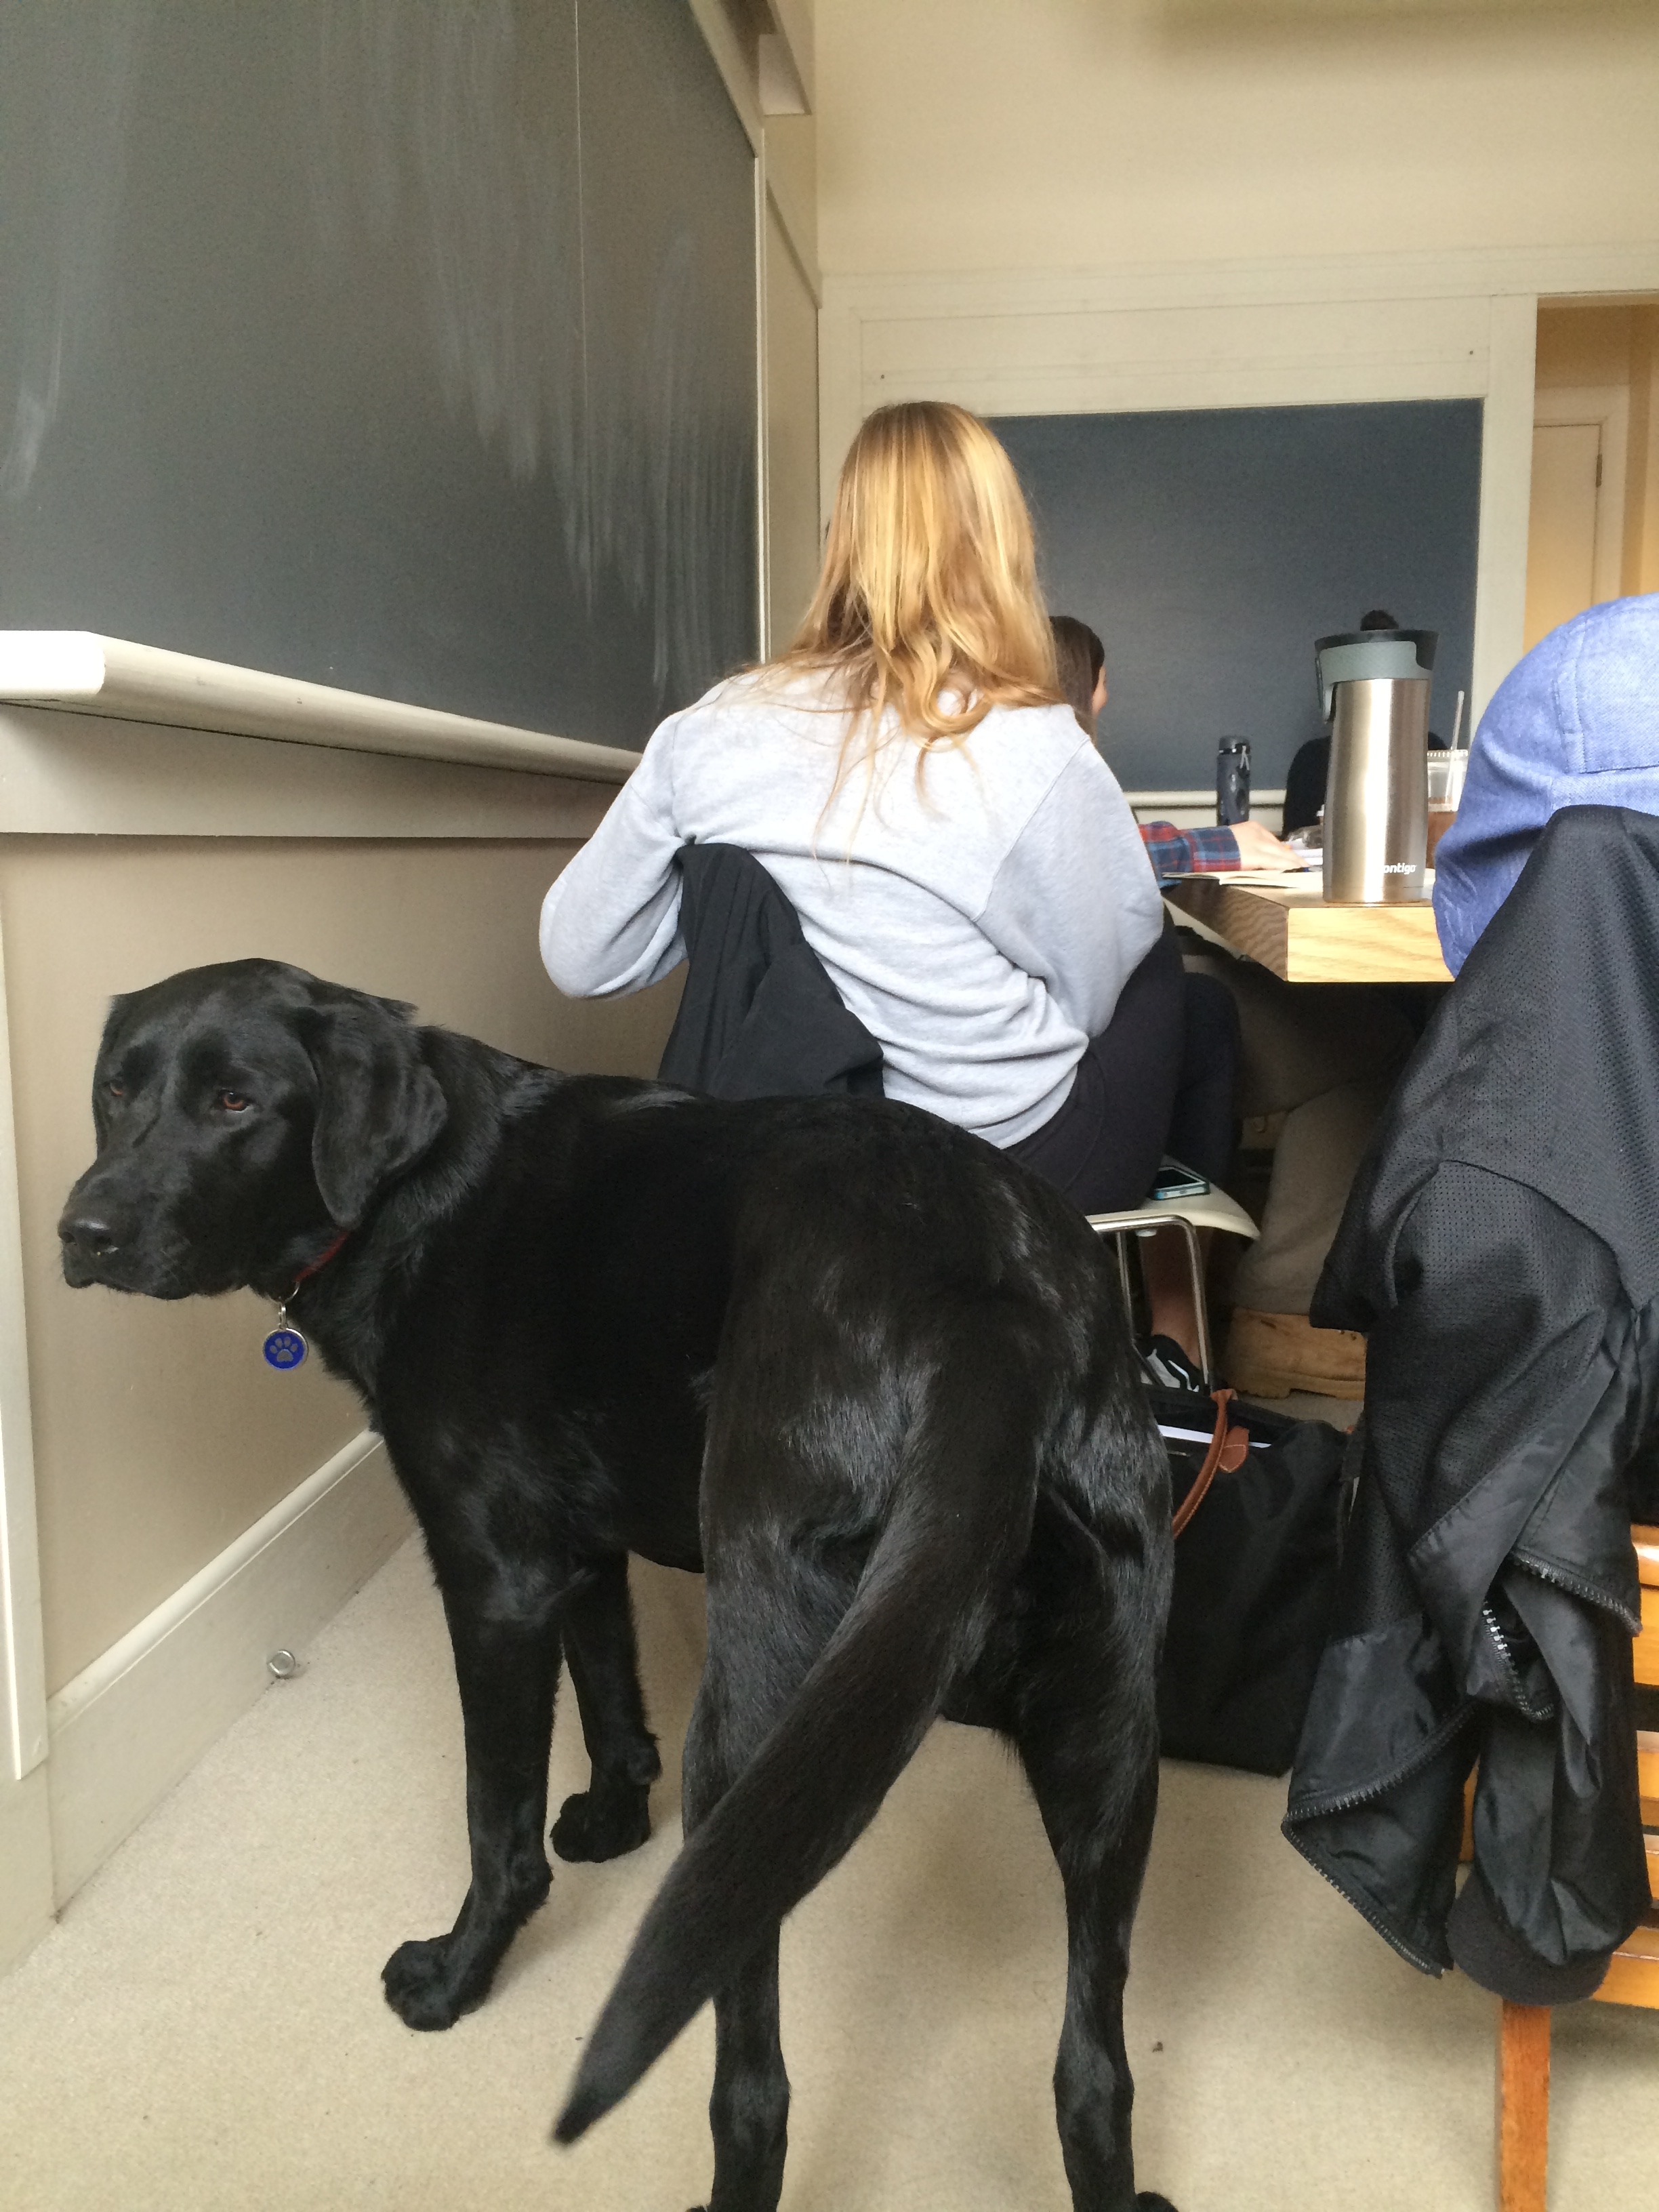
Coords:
1255,1578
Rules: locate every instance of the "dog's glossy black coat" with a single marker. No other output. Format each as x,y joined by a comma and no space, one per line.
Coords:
866,1370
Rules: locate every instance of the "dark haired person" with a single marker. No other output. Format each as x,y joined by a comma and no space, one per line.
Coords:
1309,771
1210,850
1320,1063
1203,1129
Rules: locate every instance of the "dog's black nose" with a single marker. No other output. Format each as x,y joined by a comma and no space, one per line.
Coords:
87,1236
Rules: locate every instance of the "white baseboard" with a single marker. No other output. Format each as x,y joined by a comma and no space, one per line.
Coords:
133,1724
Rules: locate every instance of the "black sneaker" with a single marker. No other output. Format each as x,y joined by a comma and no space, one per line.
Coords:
1168,1367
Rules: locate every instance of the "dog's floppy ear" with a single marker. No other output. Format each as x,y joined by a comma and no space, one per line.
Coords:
378,1105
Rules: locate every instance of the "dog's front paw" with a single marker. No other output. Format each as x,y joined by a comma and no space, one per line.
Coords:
603,1824
424,1986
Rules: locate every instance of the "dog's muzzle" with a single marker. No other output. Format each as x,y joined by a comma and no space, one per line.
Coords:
90,1246
100,1244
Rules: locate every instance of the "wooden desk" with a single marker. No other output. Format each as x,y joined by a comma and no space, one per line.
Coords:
1290,930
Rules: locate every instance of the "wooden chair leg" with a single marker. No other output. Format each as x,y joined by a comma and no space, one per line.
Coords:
1524,2107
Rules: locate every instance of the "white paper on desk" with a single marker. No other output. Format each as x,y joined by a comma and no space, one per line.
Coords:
1278,879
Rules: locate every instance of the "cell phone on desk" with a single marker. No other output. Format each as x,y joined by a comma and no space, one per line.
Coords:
1175,1179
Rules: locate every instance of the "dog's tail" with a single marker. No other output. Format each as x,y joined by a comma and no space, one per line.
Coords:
958,1523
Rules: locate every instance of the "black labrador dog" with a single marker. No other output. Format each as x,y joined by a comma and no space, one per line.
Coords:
867,1372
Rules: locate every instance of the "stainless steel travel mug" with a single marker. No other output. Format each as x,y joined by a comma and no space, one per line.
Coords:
1374,689
1377,803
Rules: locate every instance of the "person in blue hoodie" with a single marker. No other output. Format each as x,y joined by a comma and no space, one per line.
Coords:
1575,724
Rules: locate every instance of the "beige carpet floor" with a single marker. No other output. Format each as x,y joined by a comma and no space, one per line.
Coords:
203,2032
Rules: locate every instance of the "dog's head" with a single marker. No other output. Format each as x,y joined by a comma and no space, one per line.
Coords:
246,1114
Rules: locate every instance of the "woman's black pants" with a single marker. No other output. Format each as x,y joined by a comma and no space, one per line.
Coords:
1159,1079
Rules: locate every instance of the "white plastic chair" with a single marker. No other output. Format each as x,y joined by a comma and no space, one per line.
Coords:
1214,1209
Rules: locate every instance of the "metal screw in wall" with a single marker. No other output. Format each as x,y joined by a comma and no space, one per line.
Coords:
282,1664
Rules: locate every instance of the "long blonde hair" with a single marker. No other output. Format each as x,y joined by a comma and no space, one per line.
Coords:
927,599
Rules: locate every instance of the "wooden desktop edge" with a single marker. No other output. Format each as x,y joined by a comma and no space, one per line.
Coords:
1295,934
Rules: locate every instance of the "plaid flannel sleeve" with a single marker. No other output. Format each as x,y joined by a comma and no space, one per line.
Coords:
1206,851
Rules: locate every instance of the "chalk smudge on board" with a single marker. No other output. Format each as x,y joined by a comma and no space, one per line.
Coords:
403,343
454,134
92,54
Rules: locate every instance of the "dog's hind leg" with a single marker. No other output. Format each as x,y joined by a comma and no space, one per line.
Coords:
1087,1736
749,2108
506,1671
613,1814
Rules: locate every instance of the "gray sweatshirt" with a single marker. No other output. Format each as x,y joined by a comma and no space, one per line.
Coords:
979,917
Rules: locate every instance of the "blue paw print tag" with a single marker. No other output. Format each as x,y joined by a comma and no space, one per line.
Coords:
285,1348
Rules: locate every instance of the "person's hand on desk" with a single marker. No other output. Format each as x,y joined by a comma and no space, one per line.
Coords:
1259,848
1214,849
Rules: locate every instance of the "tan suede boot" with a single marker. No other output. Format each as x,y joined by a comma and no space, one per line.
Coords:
1269,1355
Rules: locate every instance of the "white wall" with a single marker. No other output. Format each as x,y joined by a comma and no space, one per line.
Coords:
786,147
1025,134
792,434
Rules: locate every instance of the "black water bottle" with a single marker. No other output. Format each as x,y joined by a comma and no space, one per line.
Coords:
1232,781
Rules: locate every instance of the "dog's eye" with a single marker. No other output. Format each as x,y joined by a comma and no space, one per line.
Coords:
233,1102
116,1089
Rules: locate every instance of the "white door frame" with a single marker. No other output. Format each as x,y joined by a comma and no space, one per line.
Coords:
26,1859
1607,405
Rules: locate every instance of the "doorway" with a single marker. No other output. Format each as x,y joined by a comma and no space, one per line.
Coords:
1593,531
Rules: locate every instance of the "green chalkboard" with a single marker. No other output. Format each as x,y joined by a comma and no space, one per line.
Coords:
1209,548
404,346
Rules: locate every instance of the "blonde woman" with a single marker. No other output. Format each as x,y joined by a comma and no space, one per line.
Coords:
962,860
